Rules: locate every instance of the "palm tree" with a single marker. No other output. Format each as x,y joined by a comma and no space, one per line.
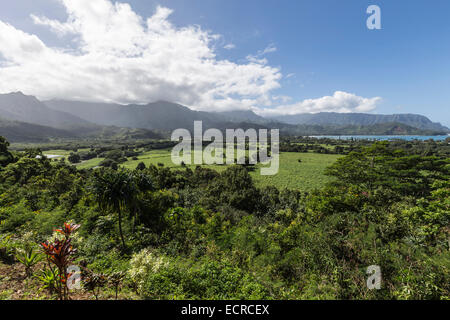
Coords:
143,183
115,191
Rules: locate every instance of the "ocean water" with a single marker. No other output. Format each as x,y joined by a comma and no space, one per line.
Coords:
384,138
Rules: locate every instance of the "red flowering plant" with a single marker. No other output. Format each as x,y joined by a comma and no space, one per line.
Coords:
59,252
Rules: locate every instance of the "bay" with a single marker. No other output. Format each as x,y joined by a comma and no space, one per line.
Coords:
386,138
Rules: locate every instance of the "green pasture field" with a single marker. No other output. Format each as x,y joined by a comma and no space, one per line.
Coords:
305,175
62,153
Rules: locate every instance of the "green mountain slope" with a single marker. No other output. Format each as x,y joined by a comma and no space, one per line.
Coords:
391,128
361,119
19,107
16,131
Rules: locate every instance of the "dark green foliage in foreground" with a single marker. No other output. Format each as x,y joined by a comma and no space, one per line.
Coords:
200,234
379,167
5,156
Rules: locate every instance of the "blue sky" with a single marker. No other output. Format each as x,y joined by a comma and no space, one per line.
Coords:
318,47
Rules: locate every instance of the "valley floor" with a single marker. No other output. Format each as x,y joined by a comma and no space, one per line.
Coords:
306,175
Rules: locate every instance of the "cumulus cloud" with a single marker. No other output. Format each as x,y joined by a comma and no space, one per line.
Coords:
340,101
119,56
229,46
259,57
269,49
58,27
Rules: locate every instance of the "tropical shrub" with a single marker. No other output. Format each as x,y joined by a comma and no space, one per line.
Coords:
59,252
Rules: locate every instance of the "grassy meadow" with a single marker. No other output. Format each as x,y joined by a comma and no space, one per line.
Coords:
305,175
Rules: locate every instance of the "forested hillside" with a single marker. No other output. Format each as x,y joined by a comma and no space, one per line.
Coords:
361,119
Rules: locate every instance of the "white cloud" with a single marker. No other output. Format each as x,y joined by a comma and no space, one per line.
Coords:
269,49
229,46
259,57
122,57
58,27
342,102
119,56
283,99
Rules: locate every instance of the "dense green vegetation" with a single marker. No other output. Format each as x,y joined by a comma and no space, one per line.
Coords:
155,232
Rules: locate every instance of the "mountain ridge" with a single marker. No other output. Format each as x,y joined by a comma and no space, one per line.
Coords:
169,116
384,129
334,118
77,118
17,131
19,107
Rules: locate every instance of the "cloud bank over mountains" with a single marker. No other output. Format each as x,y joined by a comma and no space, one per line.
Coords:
119,56
340,101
